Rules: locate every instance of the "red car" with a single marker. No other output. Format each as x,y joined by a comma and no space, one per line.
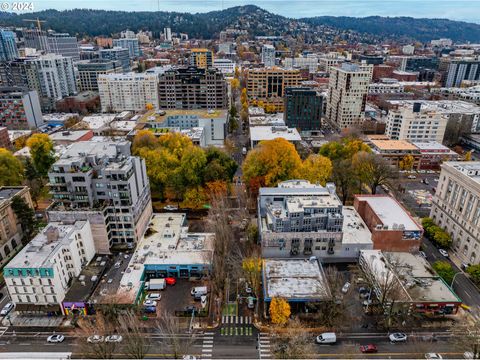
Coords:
170,281
368,348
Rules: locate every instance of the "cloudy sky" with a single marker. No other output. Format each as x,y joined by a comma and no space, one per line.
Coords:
468,10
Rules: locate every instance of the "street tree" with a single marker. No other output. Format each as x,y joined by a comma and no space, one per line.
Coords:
344,177
135,343
316,169
474,272
11,169
41,150
406,163
26,217
169,326
444,270
252,268
279,311
372,170
34,181
293,343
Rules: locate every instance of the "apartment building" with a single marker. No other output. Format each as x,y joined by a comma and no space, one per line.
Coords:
11,233
19,109
226,66
268,55
309,62
269,84
131,44
117,53
88,72
102,183
35,39
456,207
332,59
192,88
300,219
347,94
131,91
303,109
63,44
410,122
8,46
201,58
39,276
459,70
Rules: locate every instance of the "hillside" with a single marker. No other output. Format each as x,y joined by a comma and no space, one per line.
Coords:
256,20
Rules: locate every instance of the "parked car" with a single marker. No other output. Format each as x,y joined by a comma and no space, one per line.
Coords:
248,289
154,296
346,287
150,303
433,356
95,339
443,252
117,264
397,337
190,309
57,338
109,281
250,302
422,254
6,309
170,281
468,355
370,348
114,338
411,176
170,207
327,338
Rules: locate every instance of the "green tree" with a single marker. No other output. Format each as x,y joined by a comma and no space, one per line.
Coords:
11,169
444,270
41,150
34,180
26,217
442,238
474,272
192,166
218,157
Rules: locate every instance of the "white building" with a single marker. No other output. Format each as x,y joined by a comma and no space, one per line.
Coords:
132,91
167,33
226,66
261,133
456,207
39,276
268,55
332,59
310,62
408,49
347,94
411,122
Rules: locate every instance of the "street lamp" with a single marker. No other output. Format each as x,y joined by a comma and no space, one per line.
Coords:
454,276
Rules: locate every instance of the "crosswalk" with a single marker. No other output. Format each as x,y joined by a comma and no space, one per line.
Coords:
207,345
264,347
3,329
239,320
233,325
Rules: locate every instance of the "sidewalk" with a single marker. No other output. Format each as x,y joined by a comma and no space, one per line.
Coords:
19,320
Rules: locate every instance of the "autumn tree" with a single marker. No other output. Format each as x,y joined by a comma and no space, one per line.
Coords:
406,163
468,156
252,268
244,96
273,161
235,84
41,150
344,177
144,139
279,311
372,170
346,148
149,107
11,169
316,169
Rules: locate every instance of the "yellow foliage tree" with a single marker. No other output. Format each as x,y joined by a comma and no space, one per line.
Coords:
194,198
468,156
41,151
279,311
11,169
144,139
316,169
244,96
235,83
237,72
252,267
407,162
273,160
149,106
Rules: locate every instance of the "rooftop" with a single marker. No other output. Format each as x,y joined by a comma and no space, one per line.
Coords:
162,115
7,192
295,280
355,231
97,121
84,285
467,168
259,133
390,212
393,145
71,135
444,106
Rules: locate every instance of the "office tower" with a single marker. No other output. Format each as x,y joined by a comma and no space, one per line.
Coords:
347,94
117,53
131,91
63,44
461,69
201,58
8,47
268,55
19,109
104,183
130,44
456,207
193,88
88,72
303,109
167,34
269,84
309,62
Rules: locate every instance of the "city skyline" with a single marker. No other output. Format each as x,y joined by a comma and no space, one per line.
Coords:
464,10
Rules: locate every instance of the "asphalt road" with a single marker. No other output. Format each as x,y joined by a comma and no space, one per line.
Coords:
462,285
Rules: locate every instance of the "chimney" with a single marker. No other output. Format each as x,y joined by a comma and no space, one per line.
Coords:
52,234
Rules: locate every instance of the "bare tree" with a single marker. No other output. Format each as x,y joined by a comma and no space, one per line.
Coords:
293,343
97,325
373,170
468,339
136,344
170,329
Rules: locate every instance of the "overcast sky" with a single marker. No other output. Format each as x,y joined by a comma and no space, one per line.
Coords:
468,10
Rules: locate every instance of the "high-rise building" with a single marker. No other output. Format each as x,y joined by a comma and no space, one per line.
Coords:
131,44
411,122
269,84
347,94
36,39
193,88
103,183
309,62
63,44
456,207
201,58
19,109
14,73
8,47
459,70
167,34
39,276
88,72
117,53
131,91
303,109
268,55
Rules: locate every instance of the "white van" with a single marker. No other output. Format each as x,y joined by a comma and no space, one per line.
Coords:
198,291
327,338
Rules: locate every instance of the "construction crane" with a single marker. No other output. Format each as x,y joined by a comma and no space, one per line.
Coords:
38,21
